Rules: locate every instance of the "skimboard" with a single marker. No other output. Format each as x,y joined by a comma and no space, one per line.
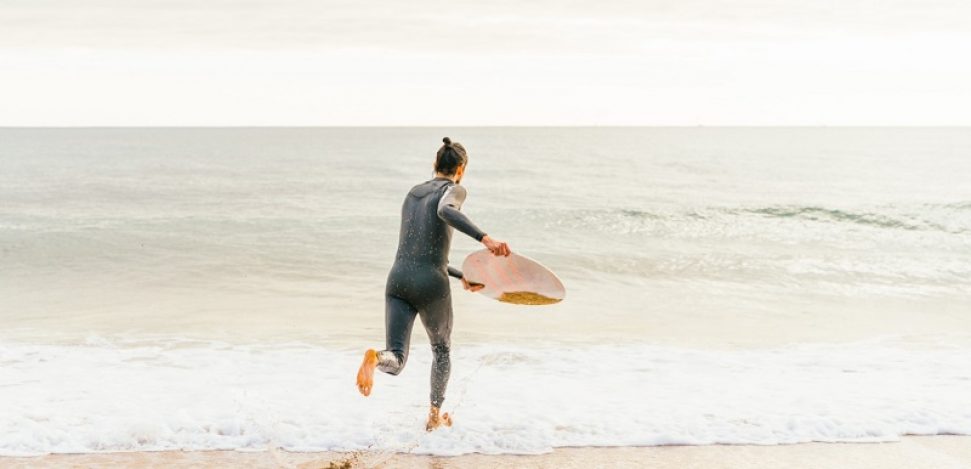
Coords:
515,279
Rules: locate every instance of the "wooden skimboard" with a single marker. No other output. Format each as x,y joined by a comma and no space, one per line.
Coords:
515,279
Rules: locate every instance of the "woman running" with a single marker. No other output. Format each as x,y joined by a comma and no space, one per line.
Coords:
418,281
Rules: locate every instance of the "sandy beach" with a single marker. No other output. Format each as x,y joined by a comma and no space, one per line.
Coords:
938,452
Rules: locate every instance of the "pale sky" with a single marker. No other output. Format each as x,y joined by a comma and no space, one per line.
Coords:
451,63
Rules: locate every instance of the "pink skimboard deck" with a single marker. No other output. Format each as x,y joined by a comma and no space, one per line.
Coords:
515,279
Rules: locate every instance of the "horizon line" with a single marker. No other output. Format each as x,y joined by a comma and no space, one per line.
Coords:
510,126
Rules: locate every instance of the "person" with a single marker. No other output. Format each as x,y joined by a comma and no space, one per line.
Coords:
418,281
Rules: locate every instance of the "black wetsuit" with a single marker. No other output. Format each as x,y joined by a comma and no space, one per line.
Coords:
418,281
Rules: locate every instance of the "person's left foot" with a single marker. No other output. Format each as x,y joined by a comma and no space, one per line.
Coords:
365,375
435,420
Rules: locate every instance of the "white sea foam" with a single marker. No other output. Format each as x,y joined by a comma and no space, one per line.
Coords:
172,394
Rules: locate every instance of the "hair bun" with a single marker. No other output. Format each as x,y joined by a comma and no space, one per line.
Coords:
447,141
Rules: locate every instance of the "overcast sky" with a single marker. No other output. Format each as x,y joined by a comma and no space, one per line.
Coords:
423,62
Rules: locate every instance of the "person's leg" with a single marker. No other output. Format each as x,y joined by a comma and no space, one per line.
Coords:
399,318
437,319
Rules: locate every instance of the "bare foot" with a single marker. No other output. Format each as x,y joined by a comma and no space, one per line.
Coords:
365,375
435,420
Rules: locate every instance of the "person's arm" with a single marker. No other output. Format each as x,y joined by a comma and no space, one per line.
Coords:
448,210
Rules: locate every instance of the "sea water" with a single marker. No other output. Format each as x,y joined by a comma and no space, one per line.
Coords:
215,288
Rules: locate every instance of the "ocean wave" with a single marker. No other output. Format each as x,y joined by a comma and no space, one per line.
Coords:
955,205
945,218
903,221
111,396
820,213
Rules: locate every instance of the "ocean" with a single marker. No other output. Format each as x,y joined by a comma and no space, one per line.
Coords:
214,288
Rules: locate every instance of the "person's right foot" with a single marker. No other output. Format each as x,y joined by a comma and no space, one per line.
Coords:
365,375
435,420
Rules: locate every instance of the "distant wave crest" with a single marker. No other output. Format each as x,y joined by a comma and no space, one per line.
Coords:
953,218
895,219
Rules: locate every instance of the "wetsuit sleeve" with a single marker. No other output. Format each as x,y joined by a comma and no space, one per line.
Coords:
448,210
454,272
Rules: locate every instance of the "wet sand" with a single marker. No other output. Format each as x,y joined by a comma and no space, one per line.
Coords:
938,452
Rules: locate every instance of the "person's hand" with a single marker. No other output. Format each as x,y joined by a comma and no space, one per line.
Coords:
496,247
472,287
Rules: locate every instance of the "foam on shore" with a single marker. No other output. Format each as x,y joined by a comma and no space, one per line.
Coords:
175,394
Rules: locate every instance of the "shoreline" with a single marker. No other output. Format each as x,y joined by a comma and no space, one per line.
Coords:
939,451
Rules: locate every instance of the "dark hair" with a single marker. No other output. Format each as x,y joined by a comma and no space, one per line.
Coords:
450,157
